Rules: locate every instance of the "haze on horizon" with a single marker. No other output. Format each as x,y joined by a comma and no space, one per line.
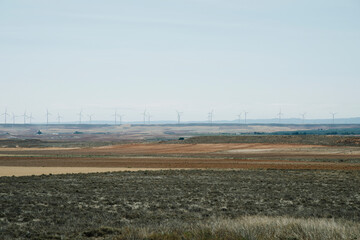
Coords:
192,56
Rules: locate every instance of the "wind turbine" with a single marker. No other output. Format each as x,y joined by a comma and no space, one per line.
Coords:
303,117
178,116
5,115
333,117
80,115
59,118
149,117
144,115
239,118
115,116
120,118
90,117
280,114
25,116
245,115
30,117
14,118
210,116
47,116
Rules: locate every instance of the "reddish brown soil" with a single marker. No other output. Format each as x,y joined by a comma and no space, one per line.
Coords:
204,156
192,148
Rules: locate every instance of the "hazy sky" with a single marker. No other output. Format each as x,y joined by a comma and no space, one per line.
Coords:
188,55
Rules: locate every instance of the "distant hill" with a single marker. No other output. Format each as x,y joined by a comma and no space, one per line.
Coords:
249,121
355,120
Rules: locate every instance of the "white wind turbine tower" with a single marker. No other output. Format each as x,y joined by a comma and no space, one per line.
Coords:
179,116
144,115
303,117
80,115
149,116
14,118
5,114
30,117
47,116
24,116
59,118
333,117
90,118
280,114
120,119
115,115
210,116
239,118
245,115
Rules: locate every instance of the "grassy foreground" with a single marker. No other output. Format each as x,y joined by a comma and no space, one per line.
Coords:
249,227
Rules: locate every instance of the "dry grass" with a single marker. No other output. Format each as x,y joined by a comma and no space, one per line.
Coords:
254,227
190,204
248,227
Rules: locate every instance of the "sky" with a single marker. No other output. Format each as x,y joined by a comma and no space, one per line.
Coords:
191,56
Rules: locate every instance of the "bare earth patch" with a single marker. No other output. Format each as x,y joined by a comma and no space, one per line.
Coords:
29,171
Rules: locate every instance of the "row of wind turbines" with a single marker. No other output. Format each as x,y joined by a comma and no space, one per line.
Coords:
13,117
279,115
118,118
27,118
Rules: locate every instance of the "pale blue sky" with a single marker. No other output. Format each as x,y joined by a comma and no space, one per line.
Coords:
189,55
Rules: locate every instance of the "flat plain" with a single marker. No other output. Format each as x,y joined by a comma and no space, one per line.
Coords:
242,152
202,187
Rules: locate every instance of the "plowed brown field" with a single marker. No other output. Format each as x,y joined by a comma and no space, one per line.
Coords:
185,156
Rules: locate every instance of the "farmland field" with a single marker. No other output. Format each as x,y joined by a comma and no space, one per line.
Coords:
180,189
200,153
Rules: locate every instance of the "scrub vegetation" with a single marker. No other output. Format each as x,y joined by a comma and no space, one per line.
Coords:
183,204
